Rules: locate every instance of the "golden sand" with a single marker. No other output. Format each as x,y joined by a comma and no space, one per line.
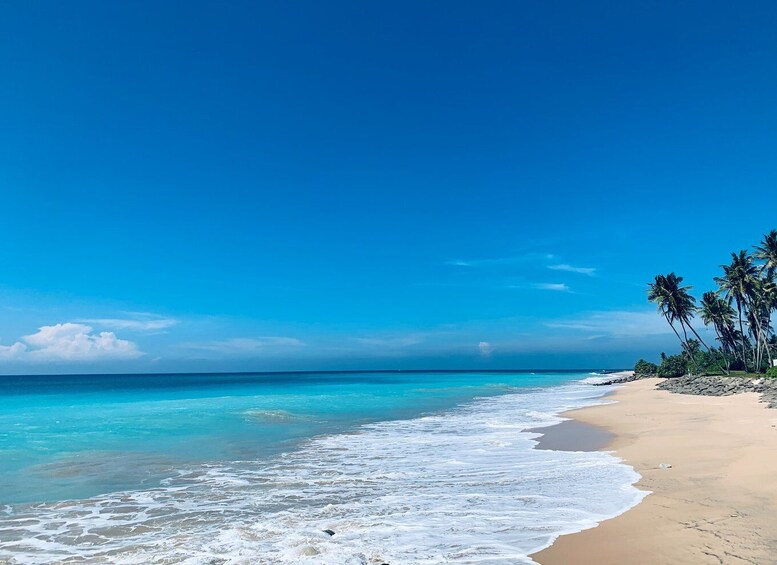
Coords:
717,503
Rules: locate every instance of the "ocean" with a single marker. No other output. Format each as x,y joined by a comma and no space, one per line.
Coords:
403,467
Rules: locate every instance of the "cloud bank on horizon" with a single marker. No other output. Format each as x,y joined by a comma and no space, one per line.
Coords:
71,344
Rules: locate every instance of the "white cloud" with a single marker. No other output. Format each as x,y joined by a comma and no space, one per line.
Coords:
616,323
390,342
557,287
501,261
70,342
485,348
12,351
141,322
571,269
245,345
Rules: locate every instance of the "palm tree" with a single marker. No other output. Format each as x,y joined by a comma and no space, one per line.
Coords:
769,291
660,292
767,252
748,282
682,304
676,304
737,284
720,315
761,302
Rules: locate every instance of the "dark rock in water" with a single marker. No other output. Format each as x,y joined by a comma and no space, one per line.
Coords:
330,532
621,380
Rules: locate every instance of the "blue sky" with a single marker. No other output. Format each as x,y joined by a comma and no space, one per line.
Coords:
305,185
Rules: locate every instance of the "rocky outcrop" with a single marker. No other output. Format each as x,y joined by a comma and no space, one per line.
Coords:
710,385
723,386
622,379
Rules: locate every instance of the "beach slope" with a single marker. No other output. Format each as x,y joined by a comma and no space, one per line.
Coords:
716,503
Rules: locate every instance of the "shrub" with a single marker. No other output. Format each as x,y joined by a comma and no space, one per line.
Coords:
772,372
645,368
708,362
673,366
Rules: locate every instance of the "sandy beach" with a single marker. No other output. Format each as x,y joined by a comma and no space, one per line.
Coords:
716,503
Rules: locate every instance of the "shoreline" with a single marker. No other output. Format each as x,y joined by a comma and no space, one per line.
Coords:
708,463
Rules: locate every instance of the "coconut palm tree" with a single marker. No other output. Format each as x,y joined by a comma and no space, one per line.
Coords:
737,285
718,313
682,304
769,290
761,302
676,304
660,293
767,252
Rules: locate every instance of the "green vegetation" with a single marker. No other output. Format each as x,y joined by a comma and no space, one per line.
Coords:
644,368
744,375
707,362
739,311
673,365
772,372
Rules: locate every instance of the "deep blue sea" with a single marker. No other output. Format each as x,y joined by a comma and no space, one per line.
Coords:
405,467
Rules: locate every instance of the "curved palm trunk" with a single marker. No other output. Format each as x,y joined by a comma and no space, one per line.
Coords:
742,331
729,334
723,348
685,333
766,328
759,346
763,335
688,348
690,327
731,337
707,347
761,343
683,342
671,325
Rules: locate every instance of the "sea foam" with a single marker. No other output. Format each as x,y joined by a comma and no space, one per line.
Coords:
462,486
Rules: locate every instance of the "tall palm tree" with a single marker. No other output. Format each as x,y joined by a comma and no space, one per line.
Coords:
660,292
761,301
767,252
737,284
769,290
718,313
676,304
682,304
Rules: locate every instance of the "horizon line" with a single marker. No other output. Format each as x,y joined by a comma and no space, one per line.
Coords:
316,372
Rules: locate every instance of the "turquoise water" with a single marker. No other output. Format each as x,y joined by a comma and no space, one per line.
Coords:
411,468
66,437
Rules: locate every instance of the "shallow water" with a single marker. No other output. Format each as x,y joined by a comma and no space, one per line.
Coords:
405,468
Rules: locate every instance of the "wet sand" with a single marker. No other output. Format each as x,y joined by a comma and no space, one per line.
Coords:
711,466
572,435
